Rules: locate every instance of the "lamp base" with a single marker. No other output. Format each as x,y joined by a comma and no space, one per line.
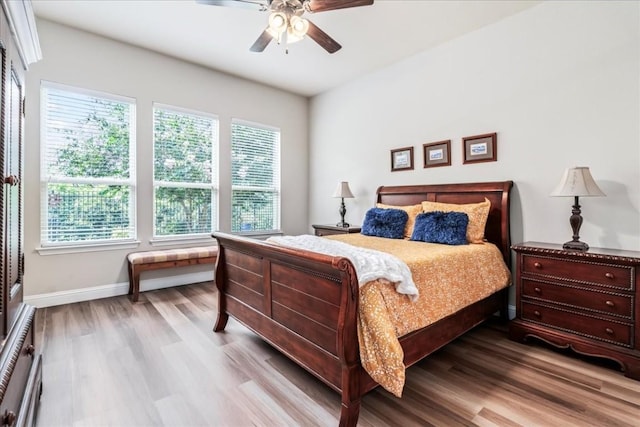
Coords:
343,211
576,245
576,221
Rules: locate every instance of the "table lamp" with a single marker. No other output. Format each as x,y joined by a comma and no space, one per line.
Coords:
343,192
577,182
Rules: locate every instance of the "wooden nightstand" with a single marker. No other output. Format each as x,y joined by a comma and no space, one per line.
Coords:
586,301
327,230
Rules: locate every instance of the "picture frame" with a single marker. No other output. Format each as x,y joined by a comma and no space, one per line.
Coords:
480,148
402,159
437,154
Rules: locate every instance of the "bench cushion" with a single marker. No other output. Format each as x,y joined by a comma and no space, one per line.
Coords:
151,257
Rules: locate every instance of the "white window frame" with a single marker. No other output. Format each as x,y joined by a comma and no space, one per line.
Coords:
163,240
51,248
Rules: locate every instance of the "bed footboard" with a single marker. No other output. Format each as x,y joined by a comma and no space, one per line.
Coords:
303,303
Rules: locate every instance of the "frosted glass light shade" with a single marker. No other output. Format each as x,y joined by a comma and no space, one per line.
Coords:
577,182
278,21
277,24
299,26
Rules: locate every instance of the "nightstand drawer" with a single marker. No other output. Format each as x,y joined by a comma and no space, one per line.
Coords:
607,303
592,327
607,275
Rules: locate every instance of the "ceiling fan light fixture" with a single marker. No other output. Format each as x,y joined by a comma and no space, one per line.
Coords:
286,24
292,37
298,27
278,24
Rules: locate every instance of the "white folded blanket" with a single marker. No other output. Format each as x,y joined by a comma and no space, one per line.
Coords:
368,263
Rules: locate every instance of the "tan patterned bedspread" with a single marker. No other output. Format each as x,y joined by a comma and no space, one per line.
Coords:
448,278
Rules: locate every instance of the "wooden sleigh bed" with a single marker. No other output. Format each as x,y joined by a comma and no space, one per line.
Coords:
275,290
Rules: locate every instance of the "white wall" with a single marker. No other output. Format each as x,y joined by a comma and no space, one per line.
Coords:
81,59
559,83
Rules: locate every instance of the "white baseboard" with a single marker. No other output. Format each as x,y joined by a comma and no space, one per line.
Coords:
106,291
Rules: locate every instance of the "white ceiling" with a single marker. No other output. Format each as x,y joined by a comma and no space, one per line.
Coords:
218,37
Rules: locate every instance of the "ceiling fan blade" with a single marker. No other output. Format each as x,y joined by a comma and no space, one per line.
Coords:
261,5
323,5
323,39
261,43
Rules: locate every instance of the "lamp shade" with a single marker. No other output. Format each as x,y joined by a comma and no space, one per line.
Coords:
577,181
343,191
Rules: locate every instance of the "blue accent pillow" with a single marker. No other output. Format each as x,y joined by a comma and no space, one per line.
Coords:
387,223
449,228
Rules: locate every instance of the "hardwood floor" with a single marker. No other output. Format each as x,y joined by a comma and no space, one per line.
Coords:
157,363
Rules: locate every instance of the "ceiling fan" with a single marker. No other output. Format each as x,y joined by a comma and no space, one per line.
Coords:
286,24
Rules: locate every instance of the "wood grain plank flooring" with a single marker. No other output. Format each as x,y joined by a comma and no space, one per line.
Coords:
110,362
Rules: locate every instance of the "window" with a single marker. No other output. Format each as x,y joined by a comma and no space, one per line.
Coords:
255,177
87,169
185,172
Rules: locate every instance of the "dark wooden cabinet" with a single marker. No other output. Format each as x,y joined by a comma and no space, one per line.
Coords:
586,301
20,361
327,230
11,133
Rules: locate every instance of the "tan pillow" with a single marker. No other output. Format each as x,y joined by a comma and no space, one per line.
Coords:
411,210
477,213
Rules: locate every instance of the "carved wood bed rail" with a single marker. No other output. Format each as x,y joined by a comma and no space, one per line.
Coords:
305,304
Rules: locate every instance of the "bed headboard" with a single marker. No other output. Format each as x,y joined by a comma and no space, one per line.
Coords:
497,229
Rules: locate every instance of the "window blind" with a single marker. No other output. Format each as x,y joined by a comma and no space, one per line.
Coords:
87,166
185,172
255,177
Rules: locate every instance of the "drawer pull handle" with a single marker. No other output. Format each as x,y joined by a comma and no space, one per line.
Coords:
609,275
8,418
537,313
610,303
609,331
537,290
537,265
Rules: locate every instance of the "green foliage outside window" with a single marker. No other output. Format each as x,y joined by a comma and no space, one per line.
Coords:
98,147
88,155
183,150
87,141
255,178
87,212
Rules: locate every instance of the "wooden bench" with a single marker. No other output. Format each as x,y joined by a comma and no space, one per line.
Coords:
167,258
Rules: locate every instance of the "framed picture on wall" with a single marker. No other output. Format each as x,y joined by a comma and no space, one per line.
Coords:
480,148
437,154
402,159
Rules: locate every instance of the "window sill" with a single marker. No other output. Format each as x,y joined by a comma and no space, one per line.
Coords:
191,240
92,247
